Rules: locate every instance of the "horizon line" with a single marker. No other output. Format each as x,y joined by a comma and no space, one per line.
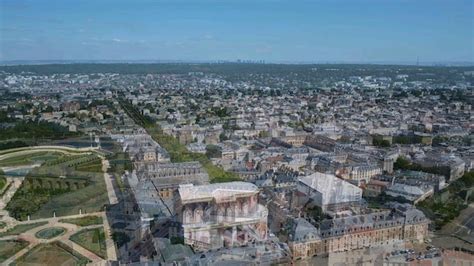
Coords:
234,61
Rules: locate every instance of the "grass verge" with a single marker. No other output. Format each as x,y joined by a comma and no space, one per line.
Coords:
21,228
83,221
9,248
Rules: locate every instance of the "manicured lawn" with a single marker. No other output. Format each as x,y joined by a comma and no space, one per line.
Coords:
21,228
69,166
51,255
92,240
9,248
84,221
30,158
3,181
49,233
94,165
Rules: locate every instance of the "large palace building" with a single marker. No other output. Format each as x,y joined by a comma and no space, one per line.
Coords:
401,223
167,177
221,215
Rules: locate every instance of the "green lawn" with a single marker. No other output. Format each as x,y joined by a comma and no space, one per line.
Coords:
9,248
70,166
92,240
52,254
21,228
83,221
65,159
91,166
30,158
3,182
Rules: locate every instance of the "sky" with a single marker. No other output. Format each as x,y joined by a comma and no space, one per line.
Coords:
271,30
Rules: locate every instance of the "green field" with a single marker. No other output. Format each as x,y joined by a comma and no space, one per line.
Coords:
21,228
92,240
83,221
51,255
9,248
51,232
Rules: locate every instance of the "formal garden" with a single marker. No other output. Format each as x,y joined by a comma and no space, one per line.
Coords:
92,240
21,228
63,185
9,248
30,158
51,254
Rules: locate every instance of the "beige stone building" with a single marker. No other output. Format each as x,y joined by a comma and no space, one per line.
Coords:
167,176
221,215
402,223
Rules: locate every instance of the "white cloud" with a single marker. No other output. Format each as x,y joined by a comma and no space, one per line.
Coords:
208,37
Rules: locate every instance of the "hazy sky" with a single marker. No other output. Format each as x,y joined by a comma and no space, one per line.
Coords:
293,30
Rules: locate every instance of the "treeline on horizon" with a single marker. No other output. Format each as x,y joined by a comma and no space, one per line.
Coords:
218,68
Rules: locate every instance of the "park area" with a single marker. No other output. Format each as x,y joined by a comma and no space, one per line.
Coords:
63,186
53,242
30,158
21,228
60,183
9,248
92,240
52,254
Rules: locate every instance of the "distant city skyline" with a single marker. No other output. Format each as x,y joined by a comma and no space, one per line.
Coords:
287,62
321,31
